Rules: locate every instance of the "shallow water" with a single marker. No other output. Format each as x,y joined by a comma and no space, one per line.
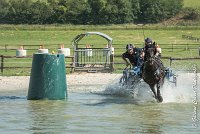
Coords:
101,109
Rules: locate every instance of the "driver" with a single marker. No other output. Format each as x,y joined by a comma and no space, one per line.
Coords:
133,57
150,44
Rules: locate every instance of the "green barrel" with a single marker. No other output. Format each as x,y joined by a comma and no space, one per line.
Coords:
48,77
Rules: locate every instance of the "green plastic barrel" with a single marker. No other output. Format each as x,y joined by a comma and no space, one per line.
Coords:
48,77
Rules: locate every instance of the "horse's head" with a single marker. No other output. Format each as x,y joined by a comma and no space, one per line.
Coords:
150,54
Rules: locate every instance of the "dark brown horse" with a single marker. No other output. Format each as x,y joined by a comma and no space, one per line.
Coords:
153,73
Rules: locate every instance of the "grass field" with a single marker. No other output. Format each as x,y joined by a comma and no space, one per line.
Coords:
192,3
53,36
121,35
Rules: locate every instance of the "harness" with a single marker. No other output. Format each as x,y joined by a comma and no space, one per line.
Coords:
157,71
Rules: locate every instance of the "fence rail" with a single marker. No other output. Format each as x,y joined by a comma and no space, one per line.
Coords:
171,46
190,37
70,64
2,67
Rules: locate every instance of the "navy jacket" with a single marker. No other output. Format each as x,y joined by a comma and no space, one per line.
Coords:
135,57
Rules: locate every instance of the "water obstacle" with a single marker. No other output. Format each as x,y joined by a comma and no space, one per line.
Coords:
48,77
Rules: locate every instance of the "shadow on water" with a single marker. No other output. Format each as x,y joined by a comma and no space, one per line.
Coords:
13,95
117,94
113,100
12,98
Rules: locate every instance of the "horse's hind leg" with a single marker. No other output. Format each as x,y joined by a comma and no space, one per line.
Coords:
159,97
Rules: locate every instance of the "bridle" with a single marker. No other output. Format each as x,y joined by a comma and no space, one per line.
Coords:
153,61
151,56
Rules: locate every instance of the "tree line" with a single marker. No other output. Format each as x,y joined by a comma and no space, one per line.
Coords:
87,11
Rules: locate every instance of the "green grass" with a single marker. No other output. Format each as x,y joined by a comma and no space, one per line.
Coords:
52,36
119,35
192,3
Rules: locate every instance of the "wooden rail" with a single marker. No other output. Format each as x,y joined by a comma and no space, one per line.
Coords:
70,65
171,46
2,67
194,58
190,37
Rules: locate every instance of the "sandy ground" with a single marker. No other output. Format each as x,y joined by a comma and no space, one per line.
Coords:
76,82
22,82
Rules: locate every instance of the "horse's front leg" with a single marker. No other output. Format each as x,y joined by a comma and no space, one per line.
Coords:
159,97
153,90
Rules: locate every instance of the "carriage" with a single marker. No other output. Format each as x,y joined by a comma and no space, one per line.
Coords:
152,71
131,77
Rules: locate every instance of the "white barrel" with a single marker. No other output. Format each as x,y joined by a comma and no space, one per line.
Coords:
112,49
43,51
20,53
65,51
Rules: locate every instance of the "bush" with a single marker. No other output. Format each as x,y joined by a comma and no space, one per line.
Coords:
191,14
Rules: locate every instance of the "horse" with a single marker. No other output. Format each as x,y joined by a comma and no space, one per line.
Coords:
153,73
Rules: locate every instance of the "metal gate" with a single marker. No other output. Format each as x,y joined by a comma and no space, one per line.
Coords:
93,59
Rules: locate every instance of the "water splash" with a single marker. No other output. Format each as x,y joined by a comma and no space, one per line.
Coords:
182,93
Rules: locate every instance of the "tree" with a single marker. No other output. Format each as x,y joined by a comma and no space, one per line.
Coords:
125,14
117,12
40,13
17,11
58,10
135,9
74,12
4,8
96,11
158,10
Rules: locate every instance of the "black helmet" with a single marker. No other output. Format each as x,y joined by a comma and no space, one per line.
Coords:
129,46
148,40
